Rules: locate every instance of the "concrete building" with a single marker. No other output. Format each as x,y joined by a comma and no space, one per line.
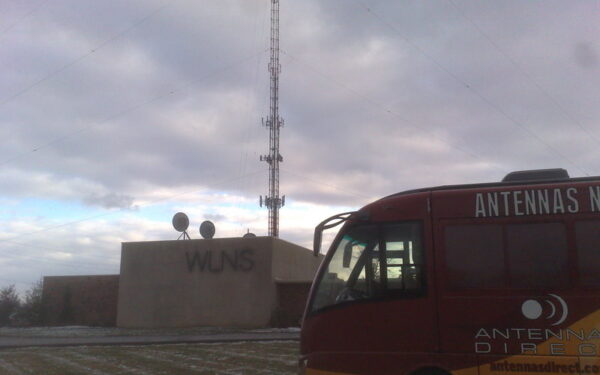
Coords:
80,300
233,282
218,282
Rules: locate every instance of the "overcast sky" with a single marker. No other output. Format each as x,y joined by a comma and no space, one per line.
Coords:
114,115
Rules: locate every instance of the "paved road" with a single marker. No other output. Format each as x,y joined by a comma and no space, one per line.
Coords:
22,342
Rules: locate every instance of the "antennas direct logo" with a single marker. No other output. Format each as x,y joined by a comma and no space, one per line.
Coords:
558,310
551,309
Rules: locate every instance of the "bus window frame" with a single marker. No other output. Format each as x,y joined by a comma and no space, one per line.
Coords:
387,295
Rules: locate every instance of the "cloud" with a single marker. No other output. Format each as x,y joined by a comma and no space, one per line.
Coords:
115,105
215,217
111,200
585,55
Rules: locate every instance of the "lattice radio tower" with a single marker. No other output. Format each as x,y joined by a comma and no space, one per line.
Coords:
273,202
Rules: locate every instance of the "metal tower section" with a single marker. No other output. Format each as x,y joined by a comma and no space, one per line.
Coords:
273,202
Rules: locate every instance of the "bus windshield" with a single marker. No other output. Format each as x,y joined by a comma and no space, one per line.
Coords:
369,261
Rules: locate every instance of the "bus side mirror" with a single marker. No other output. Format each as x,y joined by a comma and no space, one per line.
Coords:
331,222
317,240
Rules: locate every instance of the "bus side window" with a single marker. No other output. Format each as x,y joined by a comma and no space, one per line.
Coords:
588,252
474,256
404,256
537,255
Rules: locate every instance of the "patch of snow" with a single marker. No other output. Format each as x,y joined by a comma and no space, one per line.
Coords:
11,370
79,367
160,356
277,330
246,355
102,360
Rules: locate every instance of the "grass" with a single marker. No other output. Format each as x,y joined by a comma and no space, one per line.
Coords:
247,358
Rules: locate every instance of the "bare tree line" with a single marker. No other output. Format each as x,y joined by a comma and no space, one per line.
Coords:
17,311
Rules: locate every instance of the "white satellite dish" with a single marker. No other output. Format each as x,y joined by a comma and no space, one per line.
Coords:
207,229
181,224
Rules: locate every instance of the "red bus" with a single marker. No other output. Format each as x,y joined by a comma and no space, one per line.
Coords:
484,279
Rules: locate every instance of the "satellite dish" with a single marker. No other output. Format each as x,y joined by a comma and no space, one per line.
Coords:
207,229
180,222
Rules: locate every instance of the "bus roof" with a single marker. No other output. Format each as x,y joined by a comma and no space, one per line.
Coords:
517,178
